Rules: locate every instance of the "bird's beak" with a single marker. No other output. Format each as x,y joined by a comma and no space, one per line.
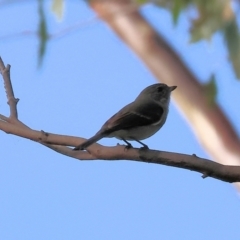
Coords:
172,88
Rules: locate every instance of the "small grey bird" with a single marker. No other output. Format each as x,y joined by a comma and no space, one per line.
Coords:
138,120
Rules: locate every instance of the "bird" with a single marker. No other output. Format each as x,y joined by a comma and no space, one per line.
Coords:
138,120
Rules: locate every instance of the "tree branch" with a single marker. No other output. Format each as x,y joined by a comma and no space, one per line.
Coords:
59,144
12,102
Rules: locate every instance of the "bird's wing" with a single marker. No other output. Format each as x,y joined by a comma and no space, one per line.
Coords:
143,115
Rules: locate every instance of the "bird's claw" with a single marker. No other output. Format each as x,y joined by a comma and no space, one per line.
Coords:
144,147
128,146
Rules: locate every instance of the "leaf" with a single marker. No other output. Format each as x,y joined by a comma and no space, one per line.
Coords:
176,10
212,17
58,8
42,32
232,38
205,25
210,90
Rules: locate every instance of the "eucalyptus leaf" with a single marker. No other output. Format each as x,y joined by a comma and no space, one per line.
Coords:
210,89
232,38
42,32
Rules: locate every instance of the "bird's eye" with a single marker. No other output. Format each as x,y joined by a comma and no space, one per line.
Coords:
159,89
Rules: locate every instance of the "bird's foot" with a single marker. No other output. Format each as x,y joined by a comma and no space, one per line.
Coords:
145,147
128,146
79,147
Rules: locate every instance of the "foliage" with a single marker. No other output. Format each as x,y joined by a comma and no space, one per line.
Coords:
210,89
57,9
211,17
42,32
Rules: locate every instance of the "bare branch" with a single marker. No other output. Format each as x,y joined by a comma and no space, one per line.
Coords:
191,162
58,143
12,101
82,155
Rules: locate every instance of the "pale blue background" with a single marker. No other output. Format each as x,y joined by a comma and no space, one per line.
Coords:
86,77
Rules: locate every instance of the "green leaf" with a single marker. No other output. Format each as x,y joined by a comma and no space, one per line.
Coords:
205,25
232,38
176,10
210,89
58,8
42,32
212,17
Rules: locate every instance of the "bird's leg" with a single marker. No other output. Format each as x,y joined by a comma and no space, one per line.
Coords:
144,145
129,145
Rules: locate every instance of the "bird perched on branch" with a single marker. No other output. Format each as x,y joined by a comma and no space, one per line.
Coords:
138,120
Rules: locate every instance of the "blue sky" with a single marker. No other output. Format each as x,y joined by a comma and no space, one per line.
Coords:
86,77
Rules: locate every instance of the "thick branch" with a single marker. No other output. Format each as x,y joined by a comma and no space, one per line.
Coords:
208,121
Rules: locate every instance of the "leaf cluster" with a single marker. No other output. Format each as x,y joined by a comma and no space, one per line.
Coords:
211,17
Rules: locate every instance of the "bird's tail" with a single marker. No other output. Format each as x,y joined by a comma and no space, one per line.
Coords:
89,142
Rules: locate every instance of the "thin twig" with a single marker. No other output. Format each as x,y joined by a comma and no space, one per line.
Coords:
12,101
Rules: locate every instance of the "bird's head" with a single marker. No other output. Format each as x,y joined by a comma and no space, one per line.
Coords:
159,92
